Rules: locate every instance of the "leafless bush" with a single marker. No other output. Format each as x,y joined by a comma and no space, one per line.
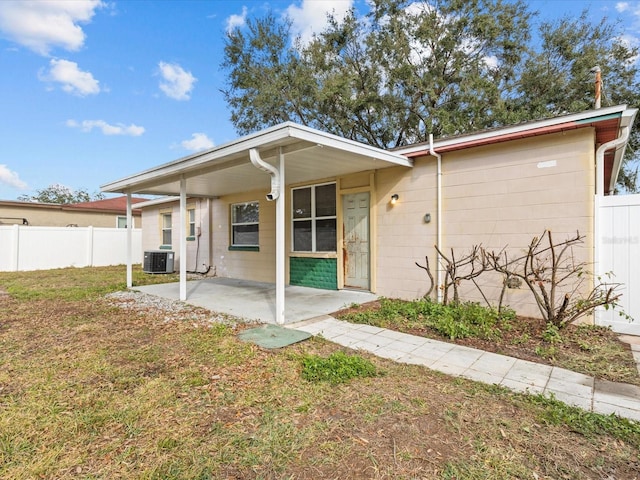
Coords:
556,279
550,270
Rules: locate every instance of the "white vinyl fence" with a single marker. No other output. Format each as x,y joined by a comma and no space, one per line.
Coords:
618,251
41,248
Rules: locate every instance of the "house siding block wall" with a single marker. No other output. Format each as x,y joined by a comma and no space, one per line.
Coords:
496,196
246,265
313,272
199,247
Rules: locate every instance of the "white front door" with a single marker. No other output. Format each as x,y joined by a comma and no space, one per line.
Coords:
356,240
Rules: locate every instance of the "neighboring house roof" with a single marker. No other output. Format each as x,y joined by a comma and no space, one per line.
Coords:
116,205
607,122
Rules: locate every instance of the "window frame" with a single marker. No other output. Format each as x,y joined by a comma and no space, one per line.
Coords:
164,213
232,224
313,218
191,223
124,218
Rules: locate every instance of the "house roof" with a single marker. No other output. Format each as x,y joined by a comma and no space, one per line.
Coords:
607,122
116,205
309,155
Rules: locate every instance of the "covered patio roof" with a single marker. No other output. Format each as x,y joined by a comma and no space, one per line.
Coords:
286,151
309,154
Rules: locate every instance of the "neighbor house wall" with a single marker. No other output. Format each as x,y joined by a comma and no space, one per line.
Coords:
55,216
198,246
497,196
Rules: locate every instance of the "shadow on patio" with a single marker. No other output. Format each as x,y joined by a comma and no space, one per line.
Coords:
256,301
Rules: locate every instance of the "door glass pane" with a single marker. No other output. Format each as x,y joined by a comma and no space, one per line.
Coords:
326,235
302,203
302,236
326,200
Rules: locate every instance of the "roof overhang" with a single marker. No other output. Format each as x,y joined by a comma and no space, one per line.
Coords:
309,155
608,123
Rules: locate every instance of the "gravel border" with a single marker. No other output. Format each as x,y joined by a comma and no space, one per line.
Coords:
173,310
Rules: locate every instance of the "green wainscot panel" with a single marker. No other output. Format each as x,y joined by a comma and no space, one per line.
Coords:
314,272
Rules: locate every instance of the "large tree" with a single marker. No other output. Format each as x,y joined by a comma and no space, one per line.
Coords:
407,69
61,194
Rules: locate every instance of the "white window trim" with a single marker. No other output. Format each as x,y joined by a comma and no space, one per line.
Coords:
313,218
161,214
118,217
191,208
232,224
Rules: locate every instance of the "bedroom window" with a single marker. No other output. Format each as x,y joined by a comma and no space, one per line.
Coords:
314,218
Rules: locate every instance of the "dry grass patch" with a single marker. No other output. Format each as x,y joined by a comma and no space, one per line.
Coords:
91,391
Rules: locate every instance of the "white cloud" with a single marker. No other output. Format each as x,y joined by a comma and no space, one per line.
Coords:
40,25
177,83
311,16
11,178
107,129
197,143
622,6
73,79
234,21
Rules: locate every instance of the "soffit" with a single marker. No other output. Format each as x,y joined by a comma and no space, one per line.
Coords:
309,155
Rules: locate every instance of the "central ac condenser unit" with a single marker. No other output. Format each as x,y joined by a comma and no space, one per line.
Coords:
158,262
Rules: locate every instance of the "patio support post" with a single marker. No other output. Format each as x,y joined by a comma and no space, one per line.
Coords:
277,181
183,238
129,242
280,250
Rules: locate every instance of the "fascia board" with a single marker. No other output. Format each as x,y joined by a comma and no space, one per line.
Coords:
515,129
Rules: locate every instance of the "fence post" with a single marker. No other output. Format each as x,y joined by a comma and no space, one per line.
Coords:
15,248
90,246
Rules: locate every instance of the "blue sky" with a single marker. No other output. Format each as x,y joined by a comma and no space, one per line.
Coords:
92,91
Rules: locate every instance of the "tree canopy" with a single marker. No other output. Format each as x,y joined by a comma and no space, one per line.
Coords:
61,194
391,76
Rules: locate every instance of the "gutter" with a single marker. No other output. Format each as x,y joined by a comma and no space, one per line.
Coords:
602,149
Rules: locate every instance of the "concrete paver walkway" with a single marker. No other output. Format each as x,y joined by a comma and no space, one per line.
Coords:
573,388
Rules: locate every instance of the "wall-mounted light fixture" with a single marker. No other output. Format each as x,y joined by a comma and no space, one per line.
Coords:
394,198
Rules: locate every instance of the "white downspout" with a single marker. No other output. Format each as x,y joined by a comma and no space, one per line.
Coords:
602,149
277,179
257,162
439,214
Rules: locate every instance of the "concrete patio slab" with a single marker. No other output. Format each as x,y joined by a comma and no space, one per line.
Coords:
256,301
